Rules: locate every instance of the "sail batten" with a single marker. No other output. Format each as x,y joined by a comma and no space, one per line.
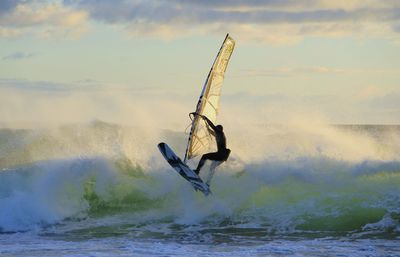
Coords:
200,139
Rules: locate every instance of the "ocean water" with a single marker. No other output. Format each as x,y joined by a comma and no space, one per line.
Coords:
102,189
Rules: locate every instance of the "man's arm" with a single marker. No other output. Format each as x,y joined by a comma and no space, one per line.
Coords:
212,132
209,122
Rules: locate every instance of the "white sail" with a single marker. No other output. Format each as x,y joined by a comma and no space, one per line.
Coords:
200,139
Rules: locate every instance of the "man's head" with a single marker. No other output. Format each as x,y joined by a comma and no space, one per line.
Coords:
219,127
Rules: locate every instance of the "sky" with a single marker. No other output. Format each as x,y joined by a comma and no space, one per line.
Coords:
80,60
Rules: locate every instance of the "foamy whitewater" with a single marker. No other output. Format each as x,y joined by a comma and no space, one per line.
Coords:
103,189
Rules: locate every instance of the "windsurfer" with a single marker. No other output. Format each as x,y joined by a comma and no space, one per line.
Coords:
222,153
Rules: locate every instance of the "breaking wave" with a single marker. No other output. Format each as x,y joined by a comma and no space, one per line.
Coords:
279,180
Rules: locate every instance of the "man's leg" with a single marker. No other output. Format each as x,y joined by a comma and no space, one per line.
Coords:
207,156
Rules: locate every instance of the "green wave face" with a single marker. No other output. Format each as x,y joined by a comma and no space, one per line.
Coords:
104,186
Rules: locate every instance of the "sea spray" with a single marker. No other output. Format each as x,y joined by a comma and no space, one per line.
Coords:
279,180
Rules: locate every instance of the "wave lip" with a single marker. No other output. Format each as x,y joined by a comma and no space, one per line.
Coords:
297,188
47,192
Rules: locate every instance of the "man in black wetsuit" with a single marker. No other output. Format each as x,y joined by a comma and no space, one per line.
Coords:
222,153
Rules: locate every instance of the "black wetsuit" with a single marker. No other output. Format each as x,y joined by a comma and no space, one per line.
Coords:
222,153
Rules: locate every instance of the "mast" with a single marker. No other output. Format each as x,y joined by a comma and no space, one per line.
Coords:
208,103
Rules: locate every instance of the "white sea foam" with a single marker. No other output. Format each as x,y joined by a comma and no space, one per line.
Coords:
281,178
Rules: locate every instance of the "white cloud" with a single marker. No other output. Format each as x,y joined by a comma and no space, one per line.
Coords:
264,21
18,56
268,21
42,18
306,70
370,92
10,32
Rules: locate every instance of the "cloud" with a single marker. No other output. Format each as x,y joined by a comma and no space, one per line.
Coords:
396,27
8,5
290,71
389,101
370,92
22,85
286,21
264,21
41,18
289,4
9,32
18,56
189,11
